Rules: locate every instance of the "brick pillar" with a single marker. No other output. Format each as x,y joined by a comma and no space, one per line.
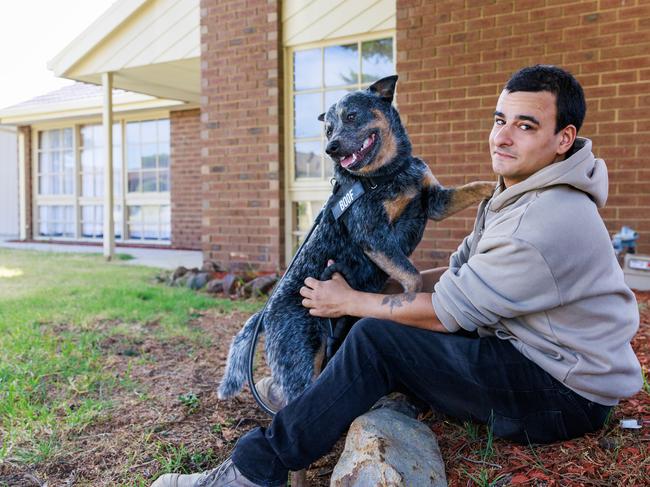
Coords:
26,131
241,133
453,59
186,179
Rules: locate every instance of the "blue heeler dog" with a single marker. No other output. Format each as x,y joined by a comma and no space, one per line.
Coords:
372,239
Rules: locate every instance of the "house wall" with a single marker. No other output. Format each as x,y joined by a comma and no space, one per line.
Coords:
241,133
454,57
185,179
8,182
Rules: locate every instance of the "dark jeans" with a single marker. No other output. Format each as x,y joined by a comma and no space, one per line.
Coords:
483,379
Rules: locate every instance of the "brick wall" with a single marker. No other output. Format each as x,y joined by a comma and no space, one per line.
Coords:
186,179
27,133
454,57
241,132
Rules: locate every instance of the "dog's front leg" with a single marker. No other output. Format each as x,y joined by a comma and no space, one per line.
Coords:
443,202
391,260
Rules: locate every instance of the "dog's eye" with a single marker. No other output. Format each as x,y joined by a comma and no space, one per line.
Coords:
328,131
351,116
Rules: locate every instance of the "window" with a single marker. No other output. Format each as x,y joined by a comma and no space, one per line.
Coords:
147,146
320,77
55,163
91,147
69,193
56,221
149,222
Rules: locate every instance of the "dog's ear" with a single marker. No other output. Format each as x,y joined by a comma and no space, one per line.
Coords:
321,117
385,88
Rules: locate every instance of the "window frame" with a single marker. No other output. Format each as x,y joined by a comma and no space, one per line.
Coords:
312,189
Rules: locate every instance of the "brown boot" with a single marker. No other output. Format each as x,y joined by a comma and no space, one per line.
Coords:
270,393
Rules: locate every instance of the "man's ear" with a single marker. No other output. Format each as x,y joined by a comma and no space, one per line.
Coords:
321,117
385,88
567,137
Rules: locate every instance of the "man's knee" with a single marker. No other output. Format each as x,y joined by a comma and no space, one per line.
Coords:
369,328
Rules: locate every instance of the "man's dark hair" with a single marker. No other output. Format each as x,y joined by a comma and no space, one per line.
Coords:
570,99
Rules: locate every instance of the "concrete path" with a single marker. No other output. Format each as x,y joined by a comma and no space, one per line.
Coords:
161,258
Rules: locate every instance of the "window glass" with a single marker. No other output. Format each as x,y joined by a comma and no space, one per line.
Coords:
149,222
307,107
307,69
377,59
147,152
342,65
308,159
55,221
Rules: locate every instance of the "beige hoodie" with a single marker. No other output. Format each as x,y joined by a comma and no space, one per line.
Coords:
539,270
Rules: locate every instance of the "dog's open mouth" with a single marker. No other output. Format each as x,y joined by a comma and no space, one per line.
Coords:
347,161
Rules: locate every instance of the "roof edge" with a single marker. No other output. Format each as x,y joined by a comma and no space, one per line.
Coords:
128,102
81,45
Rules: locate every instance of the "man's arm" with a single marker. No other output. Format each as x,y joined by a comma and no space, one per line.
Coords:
335,298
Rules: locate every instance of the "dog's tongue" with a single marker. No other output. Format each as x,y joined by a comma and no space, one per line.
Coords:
348,161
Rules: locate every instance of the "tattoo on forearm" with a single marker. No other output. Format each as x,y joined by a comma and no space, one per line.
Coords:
396,300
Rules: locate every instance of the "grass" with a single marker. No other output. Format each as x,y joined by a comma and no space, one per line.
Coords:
55,310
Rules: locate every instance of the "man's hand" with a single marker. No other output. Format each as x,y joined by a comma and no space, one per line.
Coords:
327,299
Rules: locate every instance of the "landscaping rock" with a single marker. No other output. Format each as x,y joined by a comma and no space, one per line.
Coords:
260,286
215,286
198,281
230,284
388,448
213,266
179,272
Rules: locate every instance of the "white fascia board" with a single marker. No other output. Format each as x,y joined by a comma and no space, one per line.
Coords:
126,102
93,35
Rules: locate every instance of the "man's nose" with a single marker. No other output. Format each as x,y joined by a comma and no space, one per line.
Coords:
503,135
333,147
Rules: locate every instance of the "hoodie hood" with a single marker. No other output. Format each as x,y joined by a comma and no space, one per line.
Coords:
581,170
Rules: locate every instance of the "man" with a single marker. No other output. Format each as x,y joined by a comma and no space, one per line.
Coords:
537,280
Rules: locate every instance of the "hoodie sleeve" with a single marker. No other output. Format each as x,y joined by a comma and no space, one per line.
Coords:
507,277
460,256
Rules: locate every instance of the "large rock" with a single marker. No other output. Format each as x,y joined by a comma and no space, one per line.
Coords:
385,447
260,286
198,280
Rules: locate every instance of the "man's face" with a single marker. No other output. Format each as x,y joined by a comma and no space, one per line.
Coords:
522,140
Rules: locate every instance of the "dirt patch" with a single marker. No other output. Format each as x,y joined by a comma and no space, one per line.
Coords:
167,416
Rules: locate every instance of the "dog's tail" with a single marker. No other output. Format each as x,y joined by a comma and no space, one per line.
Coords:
237,364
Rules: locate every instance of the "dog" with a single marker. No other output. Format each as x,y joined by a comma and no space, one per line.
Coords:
371,234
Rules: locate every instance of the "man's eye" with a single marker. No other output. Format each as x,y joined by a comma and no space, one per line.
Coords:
498,121
350,117
525,127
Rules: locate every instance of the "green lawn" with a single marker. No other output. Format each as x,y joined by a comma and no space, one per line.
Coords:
55,309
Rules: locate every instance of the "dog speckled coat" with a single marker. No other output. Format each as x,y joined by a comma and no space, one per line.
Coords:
373,238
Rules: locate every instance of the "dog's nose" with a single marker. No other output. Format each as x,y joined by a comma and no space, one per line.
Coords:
333,147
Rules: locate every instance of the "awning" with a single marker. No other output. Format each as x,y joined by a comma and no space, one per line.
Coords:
150,46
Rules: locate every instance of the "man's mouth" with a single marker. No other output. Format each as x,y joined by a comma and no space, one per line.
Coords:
505,155
347,161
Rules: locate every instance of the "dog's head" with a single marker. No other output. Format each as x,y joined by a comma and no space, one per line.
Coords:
365,136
